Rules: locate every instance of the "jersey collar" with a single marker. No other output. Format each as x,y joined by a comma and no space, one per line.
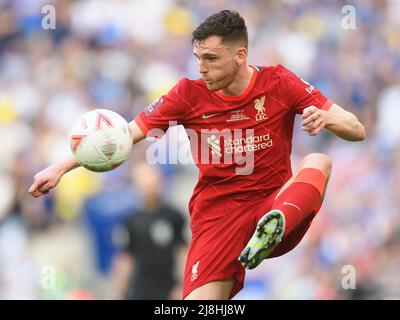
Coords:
245,92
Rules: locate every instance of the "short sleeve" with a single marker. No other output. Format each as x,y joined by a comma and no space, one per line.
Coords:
123,237
168,110
299,94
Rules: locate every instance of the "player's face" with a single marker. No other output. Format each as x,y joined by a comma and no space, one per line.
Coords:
218,63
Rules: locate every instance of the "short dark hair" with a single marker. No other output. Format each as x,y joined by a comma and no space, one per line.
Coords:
227,24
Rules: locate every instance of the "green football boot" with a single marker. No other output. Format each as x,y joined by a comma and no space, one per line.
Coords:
268,235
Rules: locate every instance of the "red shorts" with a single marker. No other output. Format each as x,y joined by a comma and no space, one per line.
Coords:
216,245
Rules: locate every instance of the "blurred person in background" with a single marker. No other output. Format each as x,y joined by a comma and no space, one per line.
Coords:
152,242
222,220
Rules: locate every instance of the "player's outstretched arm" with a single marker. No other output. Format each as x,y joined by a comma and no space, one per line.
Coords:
342,123
48,178
136,132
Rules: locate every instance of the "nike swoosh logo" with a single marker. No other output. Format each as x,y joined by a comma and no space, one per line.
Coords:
206,116
291,204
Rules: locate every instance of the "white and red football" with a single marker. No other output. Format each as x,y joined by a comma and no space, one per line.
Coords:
100,140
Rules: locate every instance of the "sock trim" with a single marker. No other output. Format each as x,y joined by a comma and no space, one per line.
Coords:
312,176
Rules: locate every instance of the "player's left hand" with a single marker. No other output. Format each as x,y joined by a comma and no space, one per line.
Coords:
314,120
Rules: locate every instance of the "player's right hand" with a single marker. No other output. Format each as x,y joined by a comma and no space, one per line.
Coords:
45,180
314,120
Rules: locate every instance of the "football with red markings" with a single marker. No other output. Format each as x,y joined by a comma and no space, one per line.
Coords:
100,140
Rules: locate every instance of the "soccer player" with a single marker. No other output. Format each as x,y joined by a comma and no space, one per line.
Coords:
247,204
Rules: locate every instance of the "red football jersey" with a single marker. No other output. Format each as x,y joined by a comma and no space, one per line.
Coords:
242,144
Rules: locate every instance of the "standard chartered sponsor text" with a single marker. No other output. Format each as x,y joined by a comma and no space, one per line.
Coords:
207,146
248,144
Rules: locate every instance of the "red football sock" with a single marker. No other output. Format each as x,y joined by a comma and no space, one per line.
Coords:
302,198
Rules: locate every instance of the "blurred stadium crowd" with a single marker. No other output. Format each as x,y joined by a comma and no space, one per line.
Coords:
122,55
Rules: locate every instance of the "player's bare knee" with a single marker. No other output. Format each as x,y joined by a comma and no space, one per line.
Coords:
319,161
